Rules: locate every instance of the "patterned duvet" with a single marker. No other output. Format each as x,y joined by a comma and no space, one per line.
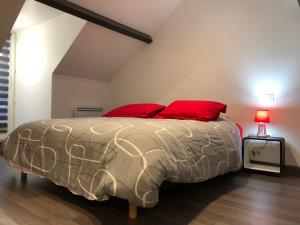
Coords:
124,157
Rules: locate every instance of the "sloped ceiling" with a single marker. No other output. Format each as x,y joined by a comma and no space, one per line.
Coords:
98,52
33,13
9,11
144,15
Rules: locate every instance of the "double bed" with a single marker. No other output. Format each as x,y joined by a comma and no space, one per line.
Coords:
127,158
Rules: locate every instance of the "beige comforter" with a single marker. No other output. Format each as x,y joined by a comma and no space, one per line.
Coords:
124,157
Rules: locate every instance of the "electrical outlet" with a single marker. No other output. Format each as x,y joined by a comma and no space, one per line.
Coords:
268,98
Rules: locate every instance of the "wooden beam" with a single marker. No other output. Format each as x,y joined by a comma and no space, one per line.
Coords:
83,13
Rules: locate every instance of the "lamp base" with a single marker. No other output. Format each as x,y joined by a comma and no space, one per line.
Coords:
262,132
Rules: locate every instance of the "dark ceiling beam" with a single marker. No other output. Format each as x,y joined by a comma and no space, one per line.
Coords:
83,13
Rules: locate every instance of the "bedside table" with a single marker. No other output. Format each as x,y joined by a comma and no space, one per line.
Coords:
264,153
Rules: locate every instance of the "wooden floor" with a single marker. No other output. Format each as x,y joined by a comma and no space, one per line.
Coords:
238,198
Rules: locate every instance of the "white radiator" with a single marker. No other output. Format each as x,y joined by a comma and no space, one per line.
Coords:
88,111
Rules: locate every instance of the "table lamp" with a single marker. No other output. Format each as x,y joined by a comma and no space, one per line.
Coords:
262,117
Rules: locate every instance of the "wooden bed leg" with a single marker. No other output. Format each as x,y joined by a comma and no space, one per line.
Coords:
132,211
23,177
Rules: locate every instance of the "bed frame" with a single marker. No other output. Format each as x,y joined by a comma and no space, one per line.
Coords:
132,210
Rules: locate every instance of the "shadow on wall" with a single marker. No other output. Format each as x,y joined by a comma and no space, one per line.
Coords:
285,123
289,157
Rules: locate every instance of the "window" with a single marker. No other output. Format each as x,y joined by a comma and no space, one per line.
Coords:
4,85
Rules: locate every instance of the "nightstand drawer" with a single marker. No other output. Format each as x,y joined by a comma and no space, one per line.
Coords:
264,154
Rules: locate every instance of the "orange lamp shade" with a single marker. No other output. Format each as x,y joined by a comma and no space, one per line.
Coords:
262,116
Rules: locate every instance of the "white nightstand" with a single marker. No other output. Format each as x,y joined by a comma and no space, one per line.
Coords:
264,154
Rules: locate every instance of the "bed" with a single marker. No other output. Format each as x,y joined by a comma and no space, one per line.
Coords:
127,158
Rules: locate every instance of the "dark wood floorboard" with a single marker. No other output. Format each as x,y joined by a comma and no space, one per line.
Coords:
238,198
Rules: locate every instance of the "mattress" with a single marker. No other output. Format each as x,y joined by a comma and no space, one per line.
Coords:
127,158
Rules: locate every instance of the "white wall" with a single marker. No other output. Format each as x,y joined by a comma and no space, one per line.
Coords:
39,49
69,92
230,51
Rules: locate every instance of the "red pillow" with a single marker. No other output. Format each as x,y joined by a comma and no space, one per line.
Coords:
192,110
136,110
